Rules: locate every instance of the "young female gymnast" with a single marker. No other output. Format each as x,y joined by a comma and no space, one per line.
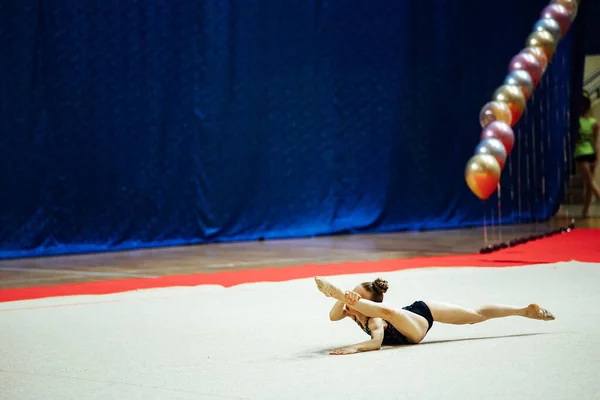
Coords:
410,324
586,154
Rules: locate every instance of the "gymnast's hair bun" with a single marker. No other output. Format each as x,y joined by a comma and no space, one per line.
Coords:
380,285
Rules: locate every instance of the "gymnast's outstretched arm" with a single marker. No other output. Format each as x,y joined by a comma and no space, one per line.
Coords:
376,327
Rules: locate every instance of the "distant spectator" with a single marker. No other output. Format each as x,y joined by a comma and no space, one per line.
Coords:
586,151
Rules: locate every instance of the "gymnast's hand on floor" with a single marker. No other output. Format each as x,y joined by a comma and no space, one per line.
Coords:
351,297
343,351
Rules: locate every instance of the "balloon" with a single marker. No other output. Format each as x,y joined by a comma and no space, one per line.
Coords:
545,40
494,111
527,62
501,131
538,53
571,5
560,14
493,147
482,174
522,80
513,98
550,25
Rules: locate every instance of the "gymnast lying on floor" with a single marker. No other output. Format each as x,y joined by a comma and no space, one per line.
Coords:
409,325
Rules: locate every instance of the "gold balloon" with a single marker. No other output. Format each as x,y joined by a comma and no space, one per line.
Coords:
482,174
539,54
513,97
545,41
494,111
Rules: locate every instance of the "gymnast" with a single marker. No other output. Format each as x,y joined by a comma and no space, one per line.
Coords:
409,325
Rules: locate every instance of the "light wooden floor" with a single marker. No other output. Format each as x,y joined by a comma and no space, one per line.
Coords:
48,271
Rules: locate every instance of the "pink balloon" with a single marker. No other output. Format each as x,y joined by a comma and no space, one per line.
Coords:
529,63
560,14
501,131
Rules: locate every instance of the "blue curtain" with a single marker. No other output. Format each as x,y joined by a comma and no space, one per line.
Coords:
146,123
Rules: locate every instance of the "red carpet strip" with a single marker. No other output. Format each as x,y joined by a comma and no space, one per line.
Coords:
578,245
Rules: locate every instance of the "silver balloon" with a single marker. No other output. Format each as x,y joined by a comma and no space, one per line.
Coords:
548,25
522,79
494,148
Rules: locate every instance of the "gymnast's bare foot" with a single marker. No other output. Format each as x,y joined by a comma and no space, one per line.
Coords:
536,312
328,289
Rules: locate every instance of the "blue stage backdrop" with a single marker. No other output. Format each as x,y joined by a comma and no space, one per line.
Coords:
146,123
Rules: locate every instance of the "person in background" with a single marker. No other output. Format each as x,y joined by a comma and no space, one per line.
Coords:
586,153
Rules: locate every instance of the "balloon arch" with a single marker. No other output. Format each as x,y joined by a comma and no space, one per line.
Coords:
504,111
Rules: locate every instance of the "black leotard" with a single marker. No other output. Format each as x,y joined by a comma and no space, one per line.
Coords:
391,335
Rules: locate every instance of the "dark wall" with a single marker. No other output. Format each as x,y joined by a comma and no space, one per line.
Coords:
590,19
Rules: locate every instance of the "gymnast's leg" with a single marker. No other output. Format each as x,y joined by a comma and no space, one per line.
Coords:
447,313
